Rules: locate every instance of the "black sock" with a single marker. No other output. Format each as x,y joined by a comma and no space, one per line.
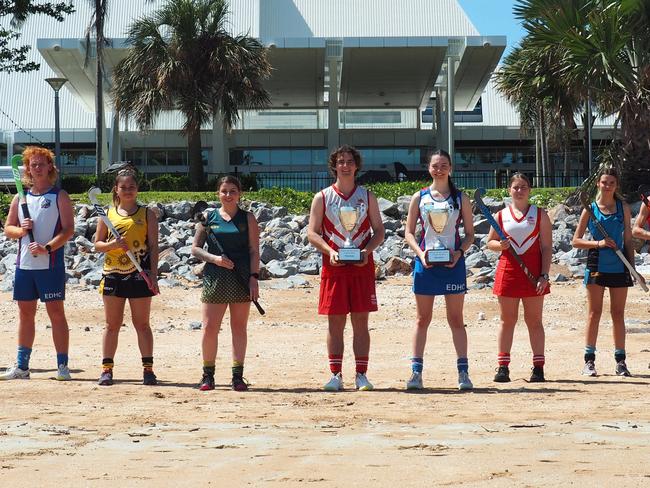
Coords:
107,363
237,369
147,362
590,356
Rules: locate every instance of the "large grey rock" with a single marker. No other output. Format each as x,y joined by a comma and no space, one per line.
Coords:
179,210
185,251
309,267
477,260
279,212
388,208
403,203
278,269
93,278
269,253
396,266
263,214
482,226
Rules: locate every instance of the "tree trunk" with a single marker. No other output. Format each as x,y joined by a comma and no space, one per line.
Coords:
544,147
99,94
538,158
635,141
567,164
195,161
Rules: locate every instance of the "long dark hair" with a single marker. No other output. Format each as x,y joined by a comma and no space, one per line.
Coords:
453,191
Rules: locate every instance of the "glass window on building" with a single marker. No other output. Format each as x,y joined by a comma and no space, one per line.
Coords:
280,157
156,158
135,157
177,157
205,156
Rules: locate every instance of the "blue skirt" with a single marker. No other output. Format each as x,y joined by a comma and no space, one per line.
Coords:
439,280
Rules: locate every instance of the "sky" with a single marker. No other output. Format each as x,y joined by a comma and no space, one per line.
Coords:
494,17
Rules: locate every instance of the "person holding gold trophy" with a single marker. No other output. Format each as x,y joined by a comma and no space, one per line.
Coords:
440,209
345,225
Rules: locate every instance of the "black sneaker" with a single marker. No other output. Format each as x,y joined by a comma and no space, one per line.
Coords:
537,376
503,375
239,383
621,369
207,382
148,378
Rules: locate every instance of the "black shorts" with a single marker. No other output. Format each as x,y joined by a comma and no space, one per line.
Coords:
124,286
609,280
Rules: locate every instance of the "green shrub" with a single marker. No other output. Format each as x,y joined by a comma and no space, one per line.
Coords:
77,183
5,202
295,201
169,183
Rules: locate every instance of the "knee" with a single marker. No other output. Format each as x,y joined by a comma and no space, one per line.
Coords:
142,326
211,326
423,321
594,314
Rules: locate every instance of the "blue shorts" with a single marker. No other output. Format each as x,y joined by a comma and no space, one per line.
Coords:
439,280
46,284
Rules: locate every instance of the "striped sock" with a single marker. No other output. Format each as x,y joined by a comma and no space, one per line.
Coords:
22,357
539,360
361,364
619,355
107,363
417,364
503,358
147,363
208,367
237,369
462,364
336,363
590,353
61,358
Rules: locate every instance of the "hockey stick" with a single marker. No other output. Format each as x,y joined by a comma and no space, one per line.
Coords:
15,162
92,196
644,190
495,225
197,214
586,204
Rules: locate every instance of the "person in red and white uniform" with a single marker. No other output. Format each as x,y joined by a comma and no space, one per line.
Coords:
529,233
346,288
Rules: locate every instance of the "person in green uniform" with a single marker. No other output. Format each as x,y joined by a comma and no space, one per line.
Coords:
232,235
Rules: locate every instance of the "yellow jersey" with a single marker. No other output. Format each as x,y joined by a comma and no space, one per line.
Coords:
133,229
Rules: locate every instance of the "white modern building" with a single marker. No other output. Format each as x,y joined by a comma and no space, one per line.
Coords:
378,74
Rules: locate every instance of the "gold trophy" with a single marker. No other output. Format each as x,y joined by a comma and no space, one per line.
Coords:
437,218
349,218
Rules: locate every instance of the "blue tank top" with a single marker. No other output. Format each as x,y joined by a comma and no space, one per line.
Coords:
605,260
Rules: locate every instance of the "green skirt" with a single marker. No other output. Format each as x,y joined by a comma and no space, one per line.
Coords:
220,285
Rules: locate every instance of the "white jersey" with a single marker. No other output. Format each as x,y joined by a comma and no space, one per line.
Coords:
449,237
333,231
523,232
44,211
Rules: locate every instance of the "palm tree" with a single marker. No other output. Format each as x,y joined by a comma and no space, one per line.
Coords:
605,47
184,58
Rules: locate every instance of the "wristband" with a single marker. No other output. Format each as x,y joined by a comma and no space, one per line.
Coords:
48,248
255,275
544,275
462,253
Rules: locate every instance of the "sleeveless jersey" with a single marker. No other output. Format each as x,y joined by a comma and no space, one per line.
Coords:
605,260
510,280
231,234
449,237
133,229
335,234
44,211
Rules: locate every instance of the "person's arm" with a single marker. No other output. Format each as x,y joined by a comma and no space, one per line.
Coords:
254,252
411,225
377,227
103,243
580,243
628,247
152,243
66,217
546,248
14,229
200,237
468,225
315,228
638,230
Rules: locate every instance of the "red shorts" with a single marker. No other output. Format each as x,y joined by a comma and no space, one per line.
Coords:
343,294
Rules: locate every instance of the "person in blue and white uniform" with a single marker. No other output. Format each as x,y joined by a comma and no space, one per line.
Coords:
40,271
448,280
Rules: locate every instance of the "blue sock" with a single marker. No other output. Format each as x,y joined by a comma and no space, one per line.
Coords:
462,364
417,364
22,358
619,355
61,358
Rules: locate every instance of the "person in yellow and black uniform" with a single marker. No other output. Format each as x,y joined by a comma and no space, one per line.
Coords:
138,227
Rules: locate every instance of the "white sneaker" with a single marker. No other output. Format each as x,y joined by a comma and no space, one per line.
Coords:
15,373
464,383
589,369
63,373
415,382
335,383
362,383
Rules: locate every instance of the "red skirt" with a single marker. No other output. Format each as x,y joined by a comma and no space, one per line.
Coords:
511,281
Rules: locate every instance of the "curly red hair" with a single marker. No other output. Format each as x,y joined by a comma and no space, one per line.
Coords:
28,153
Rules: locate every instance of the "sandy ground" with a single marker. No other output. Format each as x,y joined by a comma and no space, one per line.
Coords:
286,432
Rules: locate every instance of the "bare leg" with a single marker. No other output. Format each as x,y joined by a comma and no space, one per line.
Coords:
595,310
238,323
509,308
424,304
336,326
533,308
617,298
361,340
26,323
454,305
114,313
140,313
212,316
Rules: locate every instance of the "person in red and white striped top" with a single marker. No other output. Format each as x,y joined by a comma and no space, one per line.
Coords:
346,288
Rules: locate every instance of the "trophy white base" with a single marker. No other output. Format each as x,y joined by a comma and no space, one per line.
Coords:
437,256
350,255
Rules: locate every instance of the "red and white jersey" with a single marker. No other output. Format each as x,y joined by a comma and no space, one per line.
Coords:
333,231
523,232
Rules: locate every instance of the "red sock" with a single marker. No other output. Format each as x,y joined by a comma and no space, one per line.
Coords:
503,359
538,361
336,363
362,364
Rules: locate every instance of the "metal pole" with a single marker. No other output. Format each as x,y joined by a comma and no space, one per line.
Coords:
57,135
590,155
451,68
